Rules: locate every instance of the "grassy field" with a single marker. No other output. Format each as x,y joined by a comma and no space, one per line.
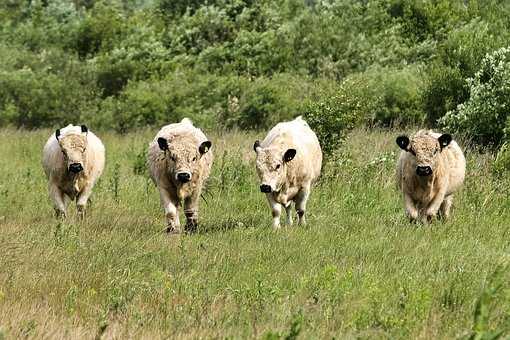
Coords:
357,270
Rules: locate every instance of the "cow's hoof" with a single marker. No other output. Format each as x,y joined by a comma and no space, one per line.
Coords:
173,231
191,227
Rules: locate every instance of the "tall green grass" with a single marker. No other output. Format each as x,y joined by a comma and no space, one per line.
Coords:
357,270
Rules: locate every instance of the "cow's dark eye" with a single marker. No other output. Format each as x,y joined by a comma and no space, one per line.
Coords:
194,158
278,167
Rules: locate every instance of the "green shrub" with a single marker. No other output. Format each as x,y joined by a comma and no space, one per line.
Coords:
101,27
156,102
484,115
44,89
137,57
460,55
444,89
501,164
332,114
395,94
263,102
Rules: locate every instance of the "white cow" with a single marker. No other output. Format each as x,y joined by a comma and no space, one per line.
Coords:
180,160
288,162
430,169
73,160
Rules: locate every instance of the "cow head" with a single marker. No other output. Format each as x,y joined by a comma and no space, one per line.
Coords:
183,156
73,146
271,164
425,149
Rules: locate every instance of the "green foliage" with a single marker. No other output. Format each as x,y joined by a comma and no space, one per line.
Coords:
333,114
481,326
98,31
43,89
378,97
395,95
484,115
157,102
444,89
263,102
501,165
242,63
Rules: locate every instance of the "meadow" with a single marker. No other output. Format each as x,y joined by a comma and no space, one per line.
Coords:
358,269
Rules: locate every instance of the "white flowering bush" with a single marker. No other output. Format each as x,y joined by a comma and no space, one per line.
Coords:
484,115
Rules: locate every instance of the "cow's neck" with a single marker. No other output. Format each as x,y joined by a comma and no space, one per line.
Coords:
426,181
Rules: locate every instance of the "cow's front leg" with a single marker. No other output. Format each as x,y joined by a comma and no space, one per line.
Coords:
434,206
81,201
288,210
446,206
301,200
410,207
59,201
170,203
191,212
276,210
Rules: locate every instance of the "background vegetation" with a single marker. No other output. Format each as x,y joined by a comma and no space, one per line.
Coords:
358,270
127,64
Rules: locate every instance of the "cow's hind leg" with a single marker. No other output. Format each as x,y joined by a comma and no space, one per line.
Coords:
444,210
301,200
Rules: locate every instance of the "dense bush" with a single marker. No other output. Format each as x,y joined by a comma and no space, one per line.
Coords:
332,114
444,89
44,89
395,96
125,64
484,115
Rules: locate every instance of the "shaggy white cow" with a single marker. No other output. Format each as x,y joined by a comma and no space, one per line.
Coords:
431,168
288,162
73,160
179,161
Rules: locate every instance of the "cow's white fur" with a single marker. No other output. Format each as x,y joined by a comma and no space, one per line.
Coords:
64,186
289,181
426,196
184,141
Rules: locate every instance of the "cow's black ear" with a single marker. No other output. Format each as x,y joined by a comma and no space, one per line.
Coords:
163,143
444,140
403,142
84,129
204,147
289,155
256,145
57,134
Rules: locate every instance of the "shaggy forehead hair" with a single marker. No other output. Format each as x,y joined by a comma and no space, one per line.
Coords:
184,145
424,142
267,157
73,141
425,147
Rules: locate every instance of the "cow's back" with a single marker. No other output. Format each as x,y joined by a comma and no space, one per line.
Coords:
297,134
95,156
454,164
